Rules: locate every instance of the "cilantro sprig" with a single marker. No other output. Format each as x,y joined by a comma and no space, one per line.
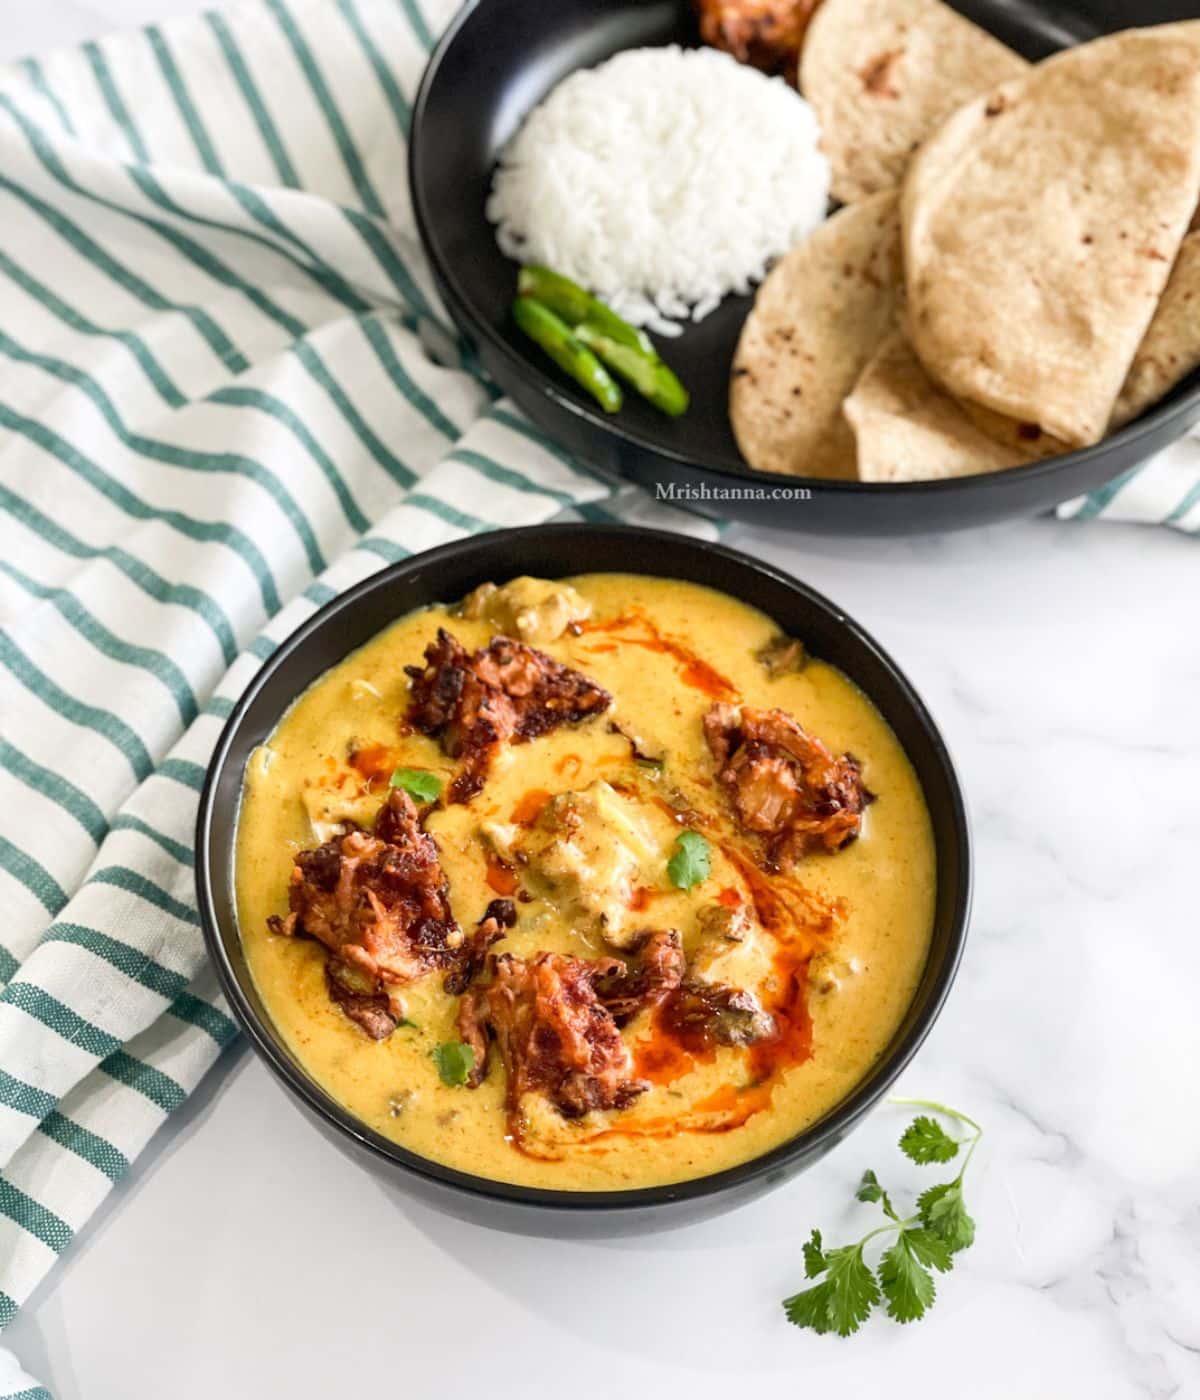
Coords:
419,783
848,1288
454,1061
691,860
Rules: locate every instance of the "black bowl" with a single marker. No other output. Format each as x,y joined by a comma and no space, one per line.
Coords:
553,551
497,61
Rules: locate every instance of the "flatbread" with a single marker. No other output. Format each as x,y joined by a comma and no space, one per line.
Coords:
1040,224
1171,349
884,74
817,318
1024,438
907,429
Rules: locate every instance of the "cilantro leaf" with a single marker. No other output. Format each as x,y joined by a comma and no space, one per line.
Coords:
810,1308
420,784
908,1286
930,1249
842,1301
454,1061
925,1140
405,1024
691,860
944,1214
870,1190
814,1256
854,1290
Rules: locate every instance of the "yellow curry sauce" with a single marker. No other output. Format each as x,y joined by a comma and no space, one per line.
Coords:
839,941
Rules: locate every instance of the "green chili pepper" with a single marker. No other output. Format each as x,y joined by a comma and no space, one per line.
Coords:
652,379
570,301
568,352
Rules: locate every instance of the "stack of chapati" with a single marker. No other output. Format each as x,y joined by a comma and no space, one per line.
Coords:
1012,275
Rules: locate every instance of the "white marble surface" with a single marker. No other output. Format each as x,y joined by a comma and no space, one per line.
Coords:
244,1256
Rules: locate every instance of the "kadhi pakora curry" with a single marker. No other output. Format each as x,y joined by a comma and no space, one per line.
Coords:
585,885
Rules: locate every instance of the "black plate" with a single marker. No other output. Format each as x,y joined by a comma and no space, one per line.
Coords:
496,62
446,574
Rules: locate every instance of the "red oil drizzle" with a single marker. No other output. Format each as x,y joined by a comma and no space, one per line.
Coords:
375,763
569,765
662,1060
737,1105
667,1056
784,905
802,923
792,1042
693,669
529,807
500,875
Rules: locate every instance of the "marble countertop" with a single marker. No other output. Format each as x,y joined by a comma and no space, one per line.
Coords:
243,1255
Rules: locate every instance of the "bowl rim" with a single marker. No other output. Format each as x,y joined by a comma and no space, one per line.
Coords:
1164,416
844,1115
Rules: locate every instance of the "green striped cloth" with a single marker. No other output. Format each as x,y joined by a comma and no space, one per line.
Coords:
220,406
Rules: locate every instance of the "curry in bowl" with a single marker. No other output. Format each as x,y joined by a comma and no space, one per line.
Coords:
585,885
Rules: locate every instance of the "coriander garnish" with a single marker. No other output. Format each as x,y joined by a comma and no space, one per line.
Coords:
690,861
419,783
929,1239
454,1061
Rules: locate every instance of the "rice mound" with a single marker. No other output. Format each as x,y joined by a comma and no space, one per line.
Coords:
661,181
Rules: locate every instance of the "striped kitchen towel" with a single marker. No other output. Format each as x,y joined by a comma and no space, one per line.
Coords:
216,412
228,393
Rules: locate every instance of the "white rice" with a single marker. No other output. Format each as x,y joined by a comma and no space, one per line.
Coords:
661,181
